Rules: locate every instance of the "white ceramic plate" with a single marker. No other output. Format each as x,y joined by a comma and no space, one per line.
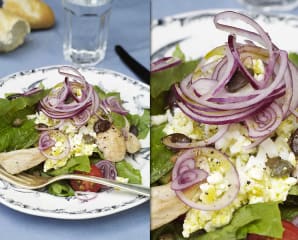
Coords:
136,96
196,34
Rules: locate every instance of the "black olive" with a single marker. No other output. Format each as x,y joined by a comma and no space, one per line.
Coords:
14,96
238,81
171,99
17,122
293,142
41,125
101,125
134,130
179,138
279,167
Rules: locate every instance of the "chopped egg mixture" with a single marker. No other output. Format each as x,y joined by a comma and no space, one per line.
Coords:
257,184
82,140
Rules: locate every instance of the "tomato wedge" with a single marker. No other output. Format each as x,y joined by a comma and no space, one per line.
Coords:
79,185
290,233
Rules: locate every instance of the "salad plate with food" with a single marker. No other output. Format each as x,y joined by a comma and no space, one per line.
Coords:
58,120
224,128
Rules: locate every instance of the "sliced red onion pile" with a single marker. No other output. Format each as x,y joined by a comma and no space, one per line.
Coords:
185,175
64,102
262,104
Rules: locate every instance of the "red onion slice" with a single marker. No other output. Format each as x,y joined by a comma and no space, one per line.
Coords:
85,196
264,122
50,139
295,221
45,141
231,176
164,63
107,168
112,104
188,178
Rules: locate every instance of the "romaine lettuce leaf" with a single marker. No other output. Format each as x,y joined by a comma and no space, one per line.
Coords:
60,189
10,106
178,53
294,58
141,122
163,80
160,154
261,218
125,170
13,138
78,163
16,131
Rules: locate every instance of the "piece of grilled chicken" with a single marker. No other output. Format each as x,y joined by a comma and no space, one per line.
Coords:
21,160
166,206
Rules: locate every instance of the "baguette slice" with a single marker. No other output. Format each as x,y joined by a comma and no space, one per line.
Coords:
36,12
13,31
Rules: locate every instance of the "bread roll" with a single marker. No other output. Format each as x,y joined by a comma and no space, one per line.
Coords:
36,12
13,31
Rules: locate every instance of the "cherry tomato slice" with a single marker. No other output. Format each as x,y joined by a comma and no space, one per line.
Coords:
79,185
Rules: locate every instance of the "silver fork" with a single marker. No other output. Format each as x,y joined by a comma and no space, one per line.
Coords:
28,181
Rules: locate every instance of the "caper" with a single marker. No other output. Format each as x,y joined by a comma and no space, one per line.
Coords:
293,142
238,81
17,122
279,167
134,130
179,138
89,139
101,125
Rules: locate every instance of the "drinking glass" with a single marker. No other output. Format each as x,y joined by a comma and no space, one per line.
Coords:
86,24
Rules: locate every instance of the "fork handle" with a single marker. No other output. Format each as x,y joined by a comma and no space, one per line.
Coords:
141,190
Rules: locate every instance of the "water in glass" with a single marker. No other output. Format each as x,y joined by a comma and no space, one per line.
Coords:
86,30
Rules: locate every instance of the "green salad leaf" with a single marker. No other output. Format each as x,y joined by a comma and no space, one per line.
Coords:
288,212
61,189
178,53
102,94
118,120
13,138
172,230
294,190
78,163
294,58
160,154
261,218
163,80
10,106
141,122
16,131
126,170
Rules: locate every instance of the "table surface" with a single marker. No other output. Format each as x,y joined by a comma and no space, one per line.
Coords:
130,27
